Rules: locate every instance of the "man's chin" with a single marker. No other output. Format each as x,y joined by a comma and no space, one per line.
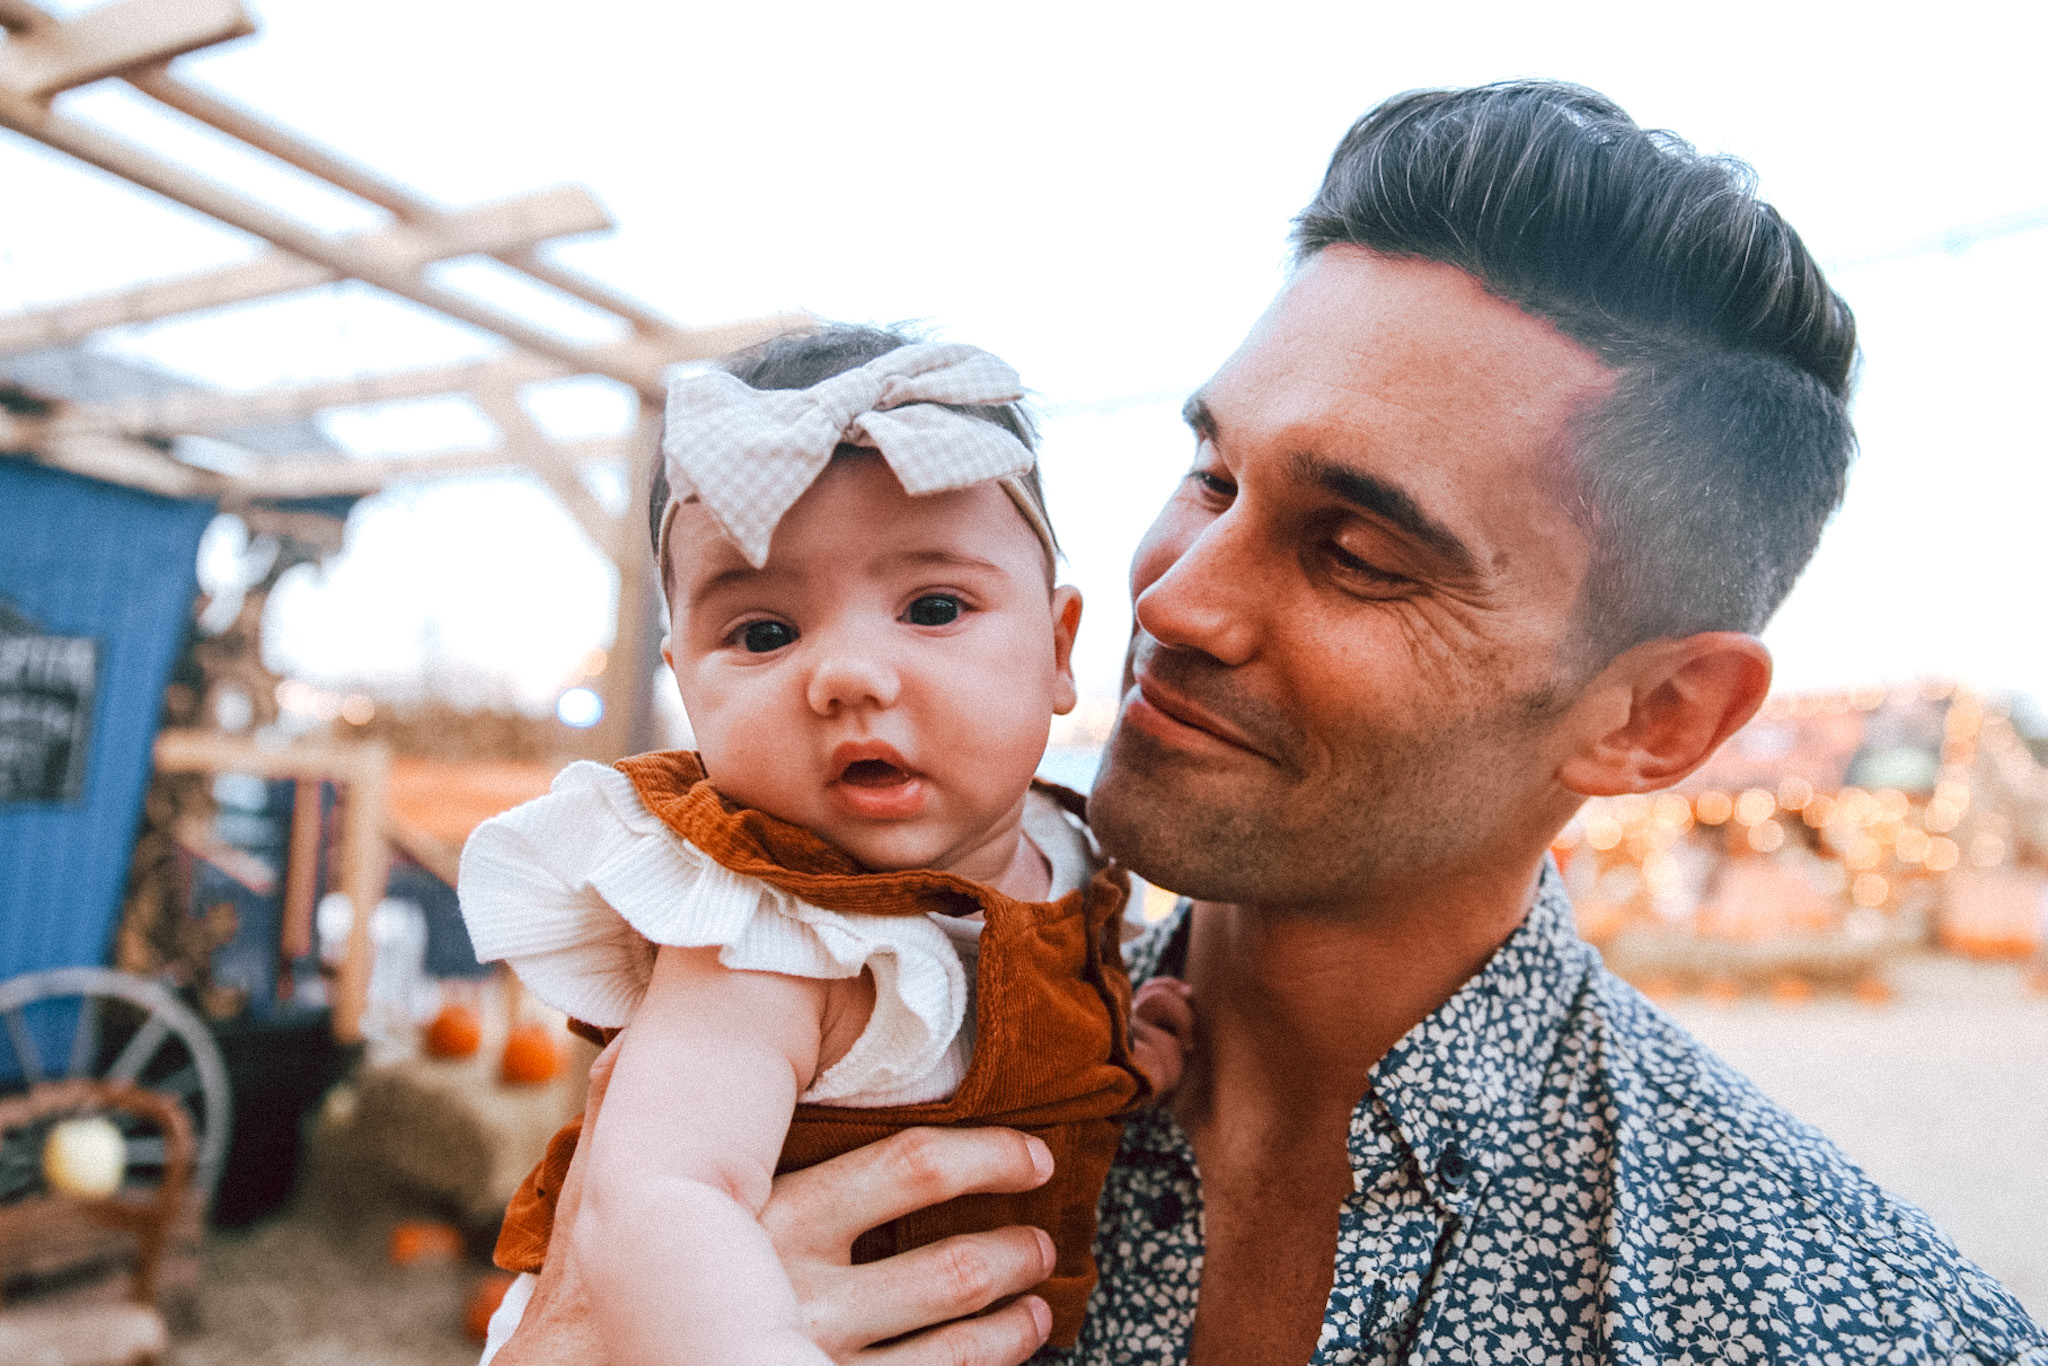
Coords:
1178,825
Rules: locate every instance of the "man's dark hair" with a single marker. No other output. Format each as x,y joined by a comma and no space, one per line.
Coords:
1705,477
798,360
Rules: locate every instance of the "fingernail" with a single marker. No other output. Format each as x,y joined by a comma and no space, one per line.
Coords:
1046,1251
1041,1157
1041,1315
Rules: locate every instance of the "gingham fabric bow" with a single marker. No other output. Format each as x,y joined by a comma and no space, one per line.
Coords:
749,454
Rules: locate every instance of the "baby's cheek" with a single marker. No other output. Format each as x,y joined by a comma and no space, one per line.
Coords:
747,748
1005,724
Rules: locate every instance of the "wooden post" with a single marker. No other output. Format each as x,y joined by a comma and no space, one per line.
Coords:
363,771
301,881
365,864
627,685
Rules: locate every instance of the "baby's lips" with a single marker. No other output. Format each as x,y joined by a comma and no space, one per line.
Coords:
873,773
870,763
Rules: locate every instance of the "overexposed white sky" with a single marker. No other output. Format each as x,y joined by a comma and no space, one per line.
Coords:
1101,194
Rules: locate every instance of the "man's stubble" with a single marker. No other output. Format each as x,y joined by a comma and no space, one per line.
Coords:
1310,838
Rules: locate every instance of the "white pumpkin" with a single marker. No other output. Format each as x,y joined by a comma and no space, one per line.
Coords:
85,1158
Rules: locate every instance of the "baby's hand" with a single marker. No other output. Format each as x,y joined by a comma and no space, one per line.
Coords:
1162,1031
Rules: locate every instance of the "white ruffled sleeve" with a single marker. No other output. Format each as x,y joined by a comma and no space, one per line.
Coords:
575,890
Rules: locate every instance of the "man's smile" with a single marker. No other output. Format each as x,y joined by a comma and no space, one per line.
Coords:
1169,714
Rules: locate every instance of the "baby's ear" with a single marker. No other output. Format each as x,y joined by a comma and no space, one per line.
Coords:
1066,625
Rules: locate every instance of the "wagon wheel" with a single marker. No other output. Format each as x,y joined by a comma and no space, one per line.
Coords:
120,1029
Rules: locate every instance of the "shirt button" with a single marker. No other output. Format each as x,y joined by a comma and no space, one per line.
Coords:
1451,1166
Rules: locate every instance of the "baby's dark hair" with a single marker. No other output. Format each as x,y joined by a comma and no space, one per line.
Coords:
797,360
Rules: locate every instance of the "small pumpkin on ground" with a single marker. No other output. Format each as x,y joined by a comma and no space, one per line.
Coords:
531,1058
456,1032
424,1240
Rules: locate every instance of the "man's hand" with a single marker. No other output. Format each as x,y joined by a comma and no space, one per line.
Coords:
813,1216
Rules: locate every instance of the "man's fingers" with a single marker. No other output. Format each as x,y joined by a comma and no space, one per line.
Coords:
820,1211
949,1279
1006,1337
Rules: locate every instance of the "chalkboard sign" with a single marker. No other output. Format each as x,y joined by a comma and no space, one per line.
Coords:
46,690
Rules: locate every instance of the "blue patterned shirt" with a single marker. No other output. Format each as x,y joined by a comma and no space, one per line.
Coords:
1548,1169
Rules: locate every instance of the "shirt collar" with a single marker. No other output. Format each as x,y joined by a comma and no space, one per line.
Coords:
1459,1086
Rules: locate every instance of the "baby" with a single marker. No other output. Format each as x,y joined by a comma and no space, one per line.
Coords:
852,911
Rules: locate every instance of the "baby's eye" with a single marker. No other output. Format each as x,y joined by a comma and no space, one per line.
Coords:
934,609
761,637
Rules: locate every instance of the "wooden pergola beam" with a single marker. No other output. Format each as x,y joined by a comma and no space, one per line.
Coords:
227,117
197,412
118,460
151,172
511,225
394,259
43,57
500,403
328,477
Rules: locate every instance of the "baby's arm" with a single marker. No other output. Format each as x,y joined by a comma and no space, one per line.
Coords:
681,1161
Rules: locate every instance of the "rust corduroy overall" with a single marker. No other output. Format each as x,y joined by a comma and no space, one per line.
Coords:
1051,1057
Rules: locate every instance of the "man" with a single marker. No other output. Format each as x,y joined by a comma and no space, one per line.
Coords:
1483,519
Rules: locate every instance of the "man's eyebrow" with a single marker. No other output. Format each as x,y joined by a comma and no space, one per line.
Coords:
1391,503
1195,412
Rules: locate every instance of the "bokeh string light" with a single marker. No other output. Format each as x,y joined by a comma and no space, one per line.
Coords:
1795,863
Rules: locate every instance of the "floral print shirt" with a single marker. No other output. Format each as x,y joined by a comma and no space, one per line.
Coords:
1548,1169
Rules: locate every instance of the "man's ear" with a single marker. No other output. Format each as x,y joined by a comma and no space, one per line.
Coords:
1661,709
1066,625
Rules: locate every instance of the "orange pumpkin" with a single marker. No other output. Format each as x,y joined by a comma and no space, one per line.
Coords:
490,1293
422,1240
456,1032
531,1057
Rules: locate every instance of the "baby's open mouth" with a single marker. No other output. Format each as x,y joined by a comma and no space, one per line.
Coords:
875,782
873,773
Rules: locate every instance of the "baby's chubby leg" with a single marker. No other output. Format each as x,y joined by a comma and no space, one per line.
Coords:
1162,1031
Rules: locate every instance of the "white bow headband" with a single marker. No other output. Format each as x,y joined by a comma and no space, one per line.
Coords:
748,454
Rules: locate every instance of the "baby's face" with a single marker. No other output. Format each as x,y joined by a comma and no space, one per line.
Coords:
888,678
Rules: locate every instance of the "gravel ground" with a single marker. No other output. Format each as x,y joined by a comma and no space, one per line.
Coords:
1941,1094
308,1290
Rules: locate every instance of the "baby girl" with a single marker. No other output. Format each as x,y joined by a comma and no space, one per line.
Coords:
852,911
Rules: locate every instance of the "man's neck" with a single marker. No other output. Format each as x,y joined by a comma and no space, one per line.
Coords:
1306,1004
1293,1010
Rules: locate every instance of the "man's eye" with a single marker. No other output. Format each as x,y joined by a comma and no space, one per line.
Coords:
1215,485
762,637
934,609
1366,570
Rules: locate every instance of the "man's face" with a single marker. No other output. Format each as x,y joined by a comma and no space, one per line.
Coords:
1346,661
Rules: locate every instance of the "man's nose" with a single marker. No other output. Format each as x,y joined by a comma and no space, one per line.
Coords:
1207,593
849,677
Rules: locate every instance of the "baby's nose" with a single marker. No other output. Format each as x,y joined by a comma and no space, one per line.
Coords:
845,679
